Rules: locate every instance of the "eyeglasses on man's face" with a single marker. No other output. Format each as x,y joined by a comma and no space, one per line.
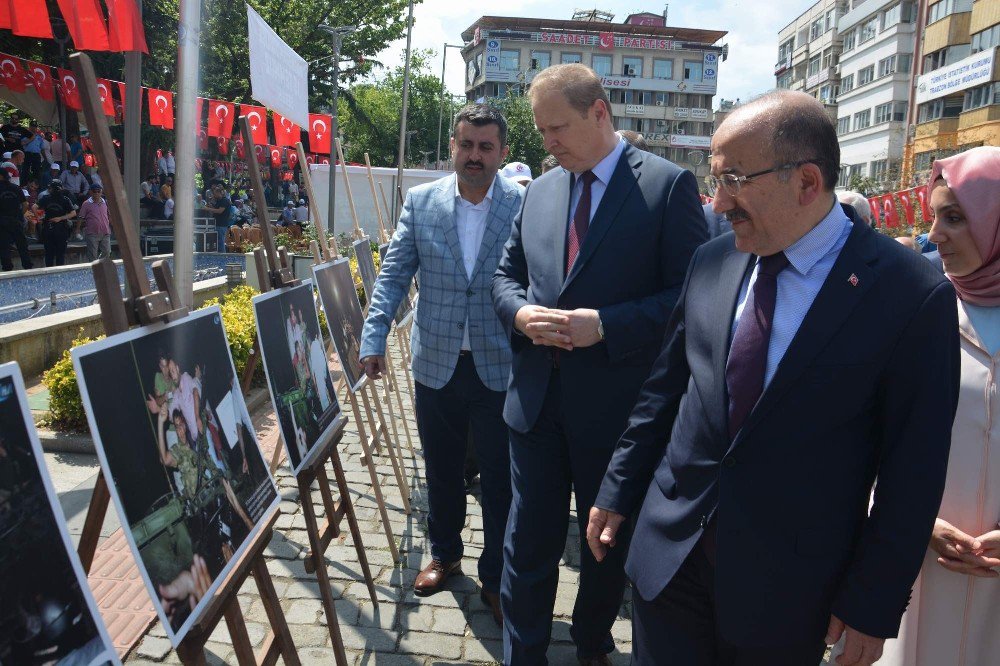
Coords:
732,183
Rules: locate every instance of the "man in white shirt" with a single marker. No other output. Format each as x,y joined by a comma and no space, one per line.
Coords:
74,182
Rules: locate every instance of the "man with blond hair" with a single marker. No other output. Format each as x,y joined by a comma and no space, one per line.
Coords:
587,282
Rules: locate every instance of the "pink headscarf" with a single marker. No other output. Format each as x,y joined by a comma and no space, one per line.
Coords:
974,177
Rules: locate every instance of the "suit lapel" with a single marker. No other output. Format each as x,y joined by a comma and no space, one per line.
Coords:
736,266
849,280
497,222
449,220
553,227
623,180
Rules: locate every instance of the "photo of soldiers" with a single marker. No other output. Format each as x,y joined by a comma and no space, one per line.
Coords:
179,450
343,315
47,613
297,368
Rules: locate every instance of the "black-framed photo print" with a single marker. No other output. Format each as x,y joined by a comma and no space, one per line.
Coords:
406,305
343,315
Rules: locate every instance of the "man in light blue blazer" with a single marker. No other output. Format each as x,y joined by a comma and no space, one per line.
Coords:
452,232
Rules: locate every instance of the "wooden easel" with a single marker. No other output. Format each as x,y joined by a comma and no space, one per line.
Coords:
358,233
142,308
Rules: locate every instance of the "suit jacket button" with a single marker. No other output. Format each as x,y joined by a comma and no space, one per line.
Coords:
461,326
470,293
730,461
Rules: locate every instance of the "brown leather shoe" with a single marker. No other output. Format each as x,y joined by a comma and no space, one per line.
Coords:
431,579
598,660
492,599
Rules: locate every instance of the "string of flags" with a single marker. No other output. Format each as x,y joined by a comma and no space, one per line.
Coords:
121,31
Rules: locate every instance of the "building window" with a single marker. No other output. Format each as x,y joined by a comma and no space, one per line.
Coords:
601,64
785,50
828,93
663,99
940,108
843,176
816,29
568,58
692,70
986,39
813,66
855,170
890,18
868,30
981,96
830,58
540,59
843,125
847,83
849,40
866,75
632,67
879,169
785,81
883,113
831,20
509,60
941,10
663,69
862,119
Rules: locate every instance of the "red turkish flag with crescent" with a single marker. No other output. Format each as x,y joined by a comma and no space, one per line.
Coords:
125,31
12,73
30,18
320,139
41,77
606,41
286,133
104,87
85,22
161,108
293,159
223,143
257,117
275,154
876,205
923,196
240,149
310,159
324,160
68,89
904,198
220,118
889,207
260,151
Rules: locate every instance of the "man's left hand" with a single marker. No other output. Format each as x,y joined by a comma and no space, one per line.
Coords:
859,649
990,544
583,325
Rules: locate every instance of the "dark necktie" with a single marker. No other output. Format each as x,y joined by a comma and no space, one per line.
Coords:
747,362
581,221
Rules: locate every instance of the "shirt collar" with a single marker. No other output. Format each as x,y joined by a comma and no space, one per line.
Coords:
806,251
488,201
606,167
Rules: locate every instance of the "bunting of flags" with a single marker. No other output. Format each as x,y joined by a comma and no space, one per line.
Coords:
121,31
18,75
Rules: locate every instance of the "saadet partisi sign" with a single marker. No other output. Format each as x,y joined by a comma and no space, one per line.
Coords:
966,73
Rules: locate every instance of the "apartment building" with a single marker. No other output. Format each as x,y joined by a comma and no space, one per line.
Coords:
878,42
809,51
661,80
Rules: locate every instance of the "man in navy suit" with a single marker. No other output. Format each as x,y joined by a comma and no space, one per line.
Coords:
585,288
786,387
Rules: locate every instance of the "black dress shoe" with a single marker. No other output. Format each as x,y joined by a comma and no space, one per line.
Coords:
432,578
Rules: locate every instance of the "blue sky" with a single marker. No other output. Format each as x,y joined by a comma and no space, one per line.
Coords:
752,25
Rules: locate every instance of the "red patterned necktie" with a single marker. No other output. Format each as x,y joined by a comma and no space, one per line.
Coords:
581,221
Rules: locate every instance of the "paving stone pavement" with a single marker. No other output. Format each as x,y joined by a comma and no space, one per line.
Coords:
452,626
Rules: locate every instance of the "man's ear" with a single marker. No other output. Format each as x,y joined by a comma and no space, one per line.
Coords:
811,184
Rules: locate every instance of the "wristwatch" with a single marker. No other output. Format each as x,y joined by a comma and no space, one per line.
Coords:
600,326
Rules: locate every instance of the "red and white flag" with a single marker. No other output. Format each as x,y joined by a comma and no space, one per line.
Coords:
125,31
161,108
12,73
320,126
220,118
85,22
889,207
286,133
104,88
275,154
260,152
293,159
41,77
202,140
223,144
30,18
875,204
240,149
904,198
68,90
923,196
257,117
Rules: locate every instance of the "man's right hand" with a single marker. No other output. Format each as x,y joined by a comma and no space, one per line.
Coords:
374,366
602,528
544,326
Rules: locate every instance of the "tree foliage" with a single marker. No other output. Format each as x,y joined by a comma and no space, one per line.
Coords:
524,140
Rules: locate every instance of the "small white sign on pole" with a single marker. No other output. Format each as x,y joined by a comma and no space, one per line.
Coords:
278,75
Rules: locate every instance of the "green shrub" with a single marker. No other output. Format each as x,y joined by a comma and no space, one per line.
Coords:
65,404
241,329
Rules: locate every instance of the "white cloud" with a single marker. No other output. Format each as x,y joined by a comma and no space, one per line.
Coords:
752,25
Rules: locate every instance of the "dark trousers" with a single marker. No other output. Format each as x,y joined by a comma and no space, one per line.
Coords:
12,233
55,242
32,167
679,626
444,417
546,464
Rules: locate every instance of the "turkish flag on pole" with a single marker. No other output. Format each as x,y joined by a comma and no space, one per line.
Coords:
125,31
220,118
260,151
41,78
319,133
223,143
104,87
275,156
85,22
923,197
257,117
12,73
876,205
30,18
286,133
68,89
293,159
889,206
161,108
904,198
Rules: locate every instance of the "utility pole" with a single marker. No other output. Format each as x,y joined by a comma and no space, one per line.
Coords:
132,122
188,57
444,59
406,103
337,35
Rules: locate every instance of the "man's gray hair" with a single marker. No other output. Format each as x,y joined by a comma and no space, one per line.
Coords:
857,201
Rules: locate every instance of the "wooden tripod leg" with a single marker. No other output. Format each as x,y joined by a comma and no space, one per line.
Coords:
376,486
352,522
404,488
275,457
387,396
399,403
322,575
404,349
95,520
272,606
238,633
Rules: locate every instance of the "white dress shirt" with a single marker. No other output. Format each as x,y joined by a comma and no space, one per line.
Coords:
603,170
470,222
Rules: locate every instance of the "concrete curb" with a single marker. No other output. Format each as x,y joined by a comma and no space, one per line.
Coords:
54,441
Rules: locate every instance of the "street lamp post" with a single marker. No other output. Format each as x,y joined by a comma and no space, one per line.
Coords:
406,102
444,59
337,33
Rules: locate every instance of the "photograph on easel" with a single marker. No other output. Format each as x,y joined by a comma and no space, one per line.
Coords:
366,265
47,612
297,368
180,454
406,305
343,315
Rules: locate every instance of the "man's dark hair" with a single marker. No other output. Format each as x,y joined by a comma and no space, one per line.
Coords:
480,115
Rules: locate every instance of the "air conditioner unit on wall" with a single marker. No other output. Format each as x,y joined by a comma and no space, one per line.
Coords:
659,102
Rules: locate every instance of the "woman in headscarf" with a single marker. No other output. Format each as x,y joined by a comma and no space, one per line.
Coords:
954,614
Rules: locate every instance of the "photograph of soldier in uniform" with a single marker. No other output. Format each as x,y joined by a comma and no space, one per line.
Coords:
406,305
298,373
179,451
343,315
47,612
